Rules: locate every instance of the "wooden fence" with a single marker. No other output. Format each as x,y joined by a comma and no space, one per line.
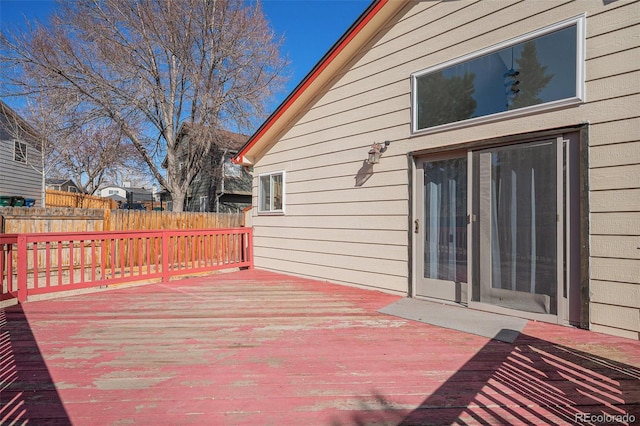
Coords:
22,220
35,220
76,200
124,220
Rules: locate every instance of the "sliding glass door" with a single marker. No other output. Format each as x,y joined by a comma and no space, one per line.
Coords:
517,206
497,228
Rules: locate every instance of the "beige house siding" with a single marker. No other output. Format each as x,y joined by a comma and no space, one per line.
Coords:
344,226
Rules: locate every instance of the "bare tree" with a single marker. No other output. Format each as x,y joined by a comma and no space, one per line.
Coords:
150,66
93,154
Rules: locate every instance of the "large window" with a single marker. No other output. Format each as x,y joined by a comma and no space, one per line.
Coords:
536,71
271,193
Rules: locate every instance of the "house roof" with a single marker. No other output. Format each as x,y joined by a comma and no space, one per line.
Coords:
24,126
60,181
225,139
235,141
135,190
56,181
361,31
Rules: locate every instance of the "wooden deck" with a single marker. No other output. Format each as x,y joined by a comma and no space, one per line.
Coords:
257,348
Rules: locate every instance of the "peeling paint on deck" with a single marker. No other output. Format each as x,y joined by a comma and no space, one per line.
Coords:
258,348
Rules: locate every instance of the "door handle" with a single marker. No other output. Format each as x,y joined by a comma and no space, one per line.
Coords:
416,226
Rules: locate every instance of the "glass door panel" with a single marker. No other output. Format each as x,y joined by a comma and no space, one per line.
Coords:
442,229
516,206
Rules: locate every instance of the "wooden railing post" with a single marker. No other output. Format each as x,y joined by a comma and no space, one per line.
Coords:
165,257
250,247
22,268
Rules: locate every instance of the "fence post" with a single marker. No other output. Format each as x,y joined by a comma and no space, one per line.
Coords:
165,256
22,268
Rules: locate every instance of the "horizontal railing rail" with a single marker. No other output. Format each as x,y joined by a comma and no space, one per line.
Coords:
32,264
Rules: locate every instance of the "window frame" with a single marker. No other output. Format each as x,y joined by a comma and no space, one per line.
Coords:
271,211
580,24
25,157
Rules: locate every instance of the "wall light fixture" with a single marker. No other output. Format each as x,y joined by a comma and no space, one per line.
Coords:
376,152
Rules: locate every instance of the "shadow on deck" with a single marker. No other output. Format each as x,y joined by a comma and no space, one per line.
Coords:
529,382
27,391
253,347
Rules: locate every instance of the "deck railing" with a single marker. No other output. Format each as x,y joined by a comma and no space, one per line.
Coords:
32,264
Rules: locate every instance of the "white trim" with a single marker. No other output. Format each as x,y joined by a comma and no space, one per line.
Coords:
581,55
580,23
271,211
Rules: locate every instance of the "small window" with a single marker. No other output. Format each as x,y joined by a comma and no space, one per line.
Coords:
539,70
271,193
20,152
204,203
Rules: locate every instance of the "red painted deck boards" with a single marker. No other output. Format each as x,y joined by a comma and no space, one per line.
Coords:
258,348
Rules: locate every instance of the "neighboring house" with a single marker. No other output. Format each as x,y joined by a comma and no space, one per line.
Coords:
118,193
511,182
61,184
20,157
222,186
127,193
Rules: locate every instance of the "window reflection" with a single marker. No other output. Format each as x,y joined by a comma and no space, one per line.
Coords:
445,220
271,192
265,193
537,71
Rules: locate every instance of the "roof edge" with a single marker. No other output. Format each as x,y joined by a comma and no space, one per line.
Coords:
25,127
315,72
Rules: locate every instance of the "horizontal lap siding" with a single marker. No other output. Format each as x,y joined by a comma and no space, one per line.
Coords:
19,179
341,222
613,72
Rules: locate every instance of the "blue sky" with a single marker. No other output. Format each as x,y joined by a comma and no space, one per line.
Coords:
310,27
